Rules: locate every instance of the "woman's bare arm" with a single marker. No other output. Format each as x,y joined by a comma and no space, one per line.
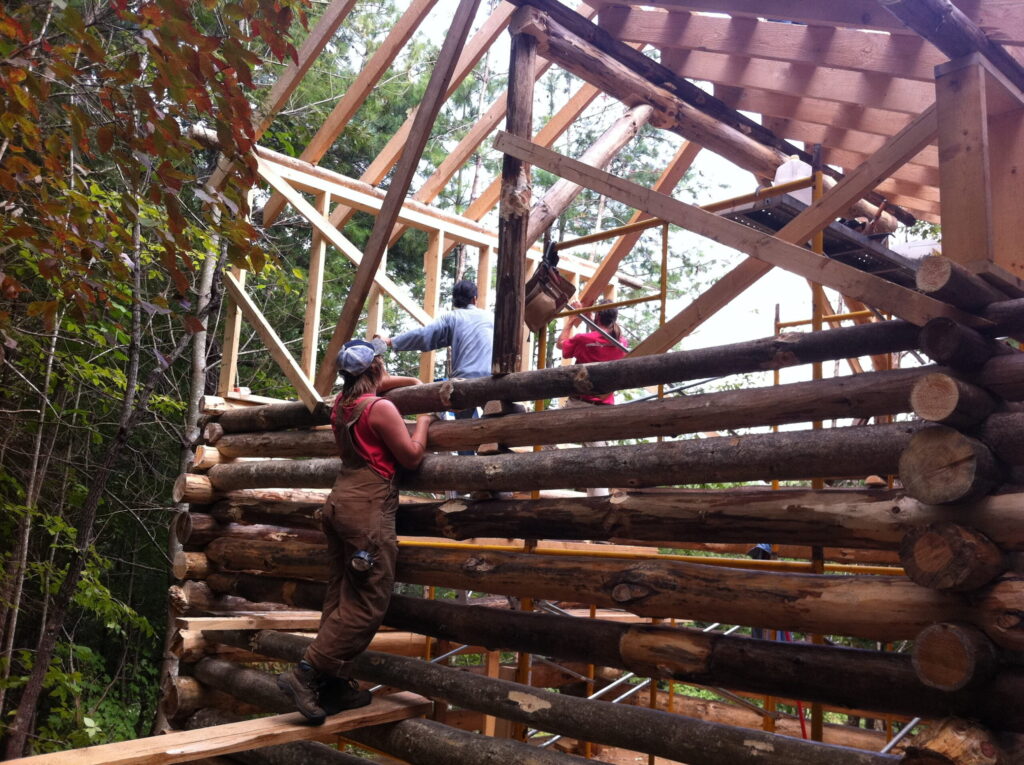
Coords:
388,424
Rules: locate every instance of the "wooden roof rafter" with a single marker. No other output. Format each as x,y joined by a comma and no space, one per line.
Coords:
857,50
1007,17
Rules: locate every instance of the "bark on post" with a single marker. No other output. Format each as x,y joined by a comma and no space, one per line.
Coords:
951,657
948,556
644,730
942,466
514,211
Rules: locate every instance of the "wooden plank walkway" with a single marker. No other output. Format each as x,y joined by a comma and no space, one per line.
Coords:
185,746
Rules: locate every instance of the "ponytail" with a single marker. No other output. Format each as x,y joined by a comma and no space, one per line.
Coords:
608,320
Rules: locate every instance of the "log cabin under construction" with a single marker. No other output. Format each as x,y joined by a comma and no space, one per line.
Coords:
888,623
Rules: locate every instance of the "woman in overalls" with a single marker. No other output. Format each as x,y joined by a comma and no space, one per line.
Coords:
359,522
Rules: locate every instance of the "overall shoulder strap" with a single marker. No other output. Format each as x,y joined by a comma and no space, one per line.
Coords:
350,455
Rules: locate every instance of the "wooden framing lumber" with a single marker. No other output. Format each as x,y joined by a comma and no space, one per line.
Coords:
854,14
669,179
228,376
771,250
184,746
278,620
675,737
356,93
339,241
905,144
951,31
419,133
599,154
314,290
473,50
842,86
275,347
593,65
891,56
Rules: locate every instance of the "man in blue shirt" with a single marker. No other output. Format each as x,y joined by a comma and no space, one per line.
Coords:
467,330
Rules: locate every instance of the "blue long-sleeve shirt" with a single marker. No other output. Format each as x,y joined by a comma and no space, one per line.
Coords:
468,331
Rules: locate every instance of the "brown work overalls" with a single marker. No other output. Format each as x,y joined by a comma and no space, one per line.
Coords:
359,515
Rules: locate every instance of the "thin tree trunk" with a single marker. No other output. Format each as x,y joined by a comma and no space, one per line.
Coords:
19,560
132,407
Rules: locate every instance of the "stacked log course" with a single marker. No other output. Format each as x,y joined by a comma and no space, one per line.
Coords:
931,566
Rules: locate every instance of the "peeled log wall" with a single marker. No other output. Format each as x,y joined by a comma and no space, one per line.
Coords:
252,540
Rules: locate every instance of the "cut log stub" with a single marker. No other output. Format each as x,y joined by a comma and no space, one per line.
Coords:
193,488
999,610
948,556
954,742
946,342
940,398
941,466
950,282
190,565
206,457
212,432
950,656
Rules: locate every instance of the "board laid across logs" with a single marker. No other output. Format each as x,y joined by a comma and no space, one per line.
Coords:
677,738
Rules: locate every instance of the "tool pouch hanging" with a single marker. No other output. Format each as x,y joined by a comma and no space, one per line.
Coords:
547,292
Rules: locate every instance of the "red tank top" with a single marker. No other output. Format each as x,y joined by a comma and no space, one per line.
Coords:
367,443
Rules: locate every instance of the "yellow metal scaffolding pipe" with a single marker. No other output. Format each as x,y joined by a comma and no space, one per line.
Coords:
750,563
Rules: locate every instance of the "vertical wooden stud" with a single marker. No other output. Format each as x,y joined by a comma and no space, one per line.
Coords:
314,292
431,294
964,176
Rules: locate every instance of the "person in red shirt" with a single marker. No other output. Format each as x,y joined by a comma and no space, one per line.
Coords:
358,520
588,347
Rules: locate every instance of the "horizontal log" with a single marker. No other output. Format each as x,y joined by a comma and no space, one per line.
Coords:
949,556
951,657
849,518
788,455
426,742
644,730
945,341
844,677
945,280
263,531
874,607
940,465
756,355
1003,433
999,611
944,399
195,597
857,396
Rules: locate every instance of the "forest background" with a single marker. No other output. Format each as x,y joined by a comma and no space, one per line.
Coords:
110,260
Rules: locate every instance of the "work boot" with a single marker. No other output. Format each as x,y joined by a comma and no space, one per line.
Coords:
339,694
302,685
